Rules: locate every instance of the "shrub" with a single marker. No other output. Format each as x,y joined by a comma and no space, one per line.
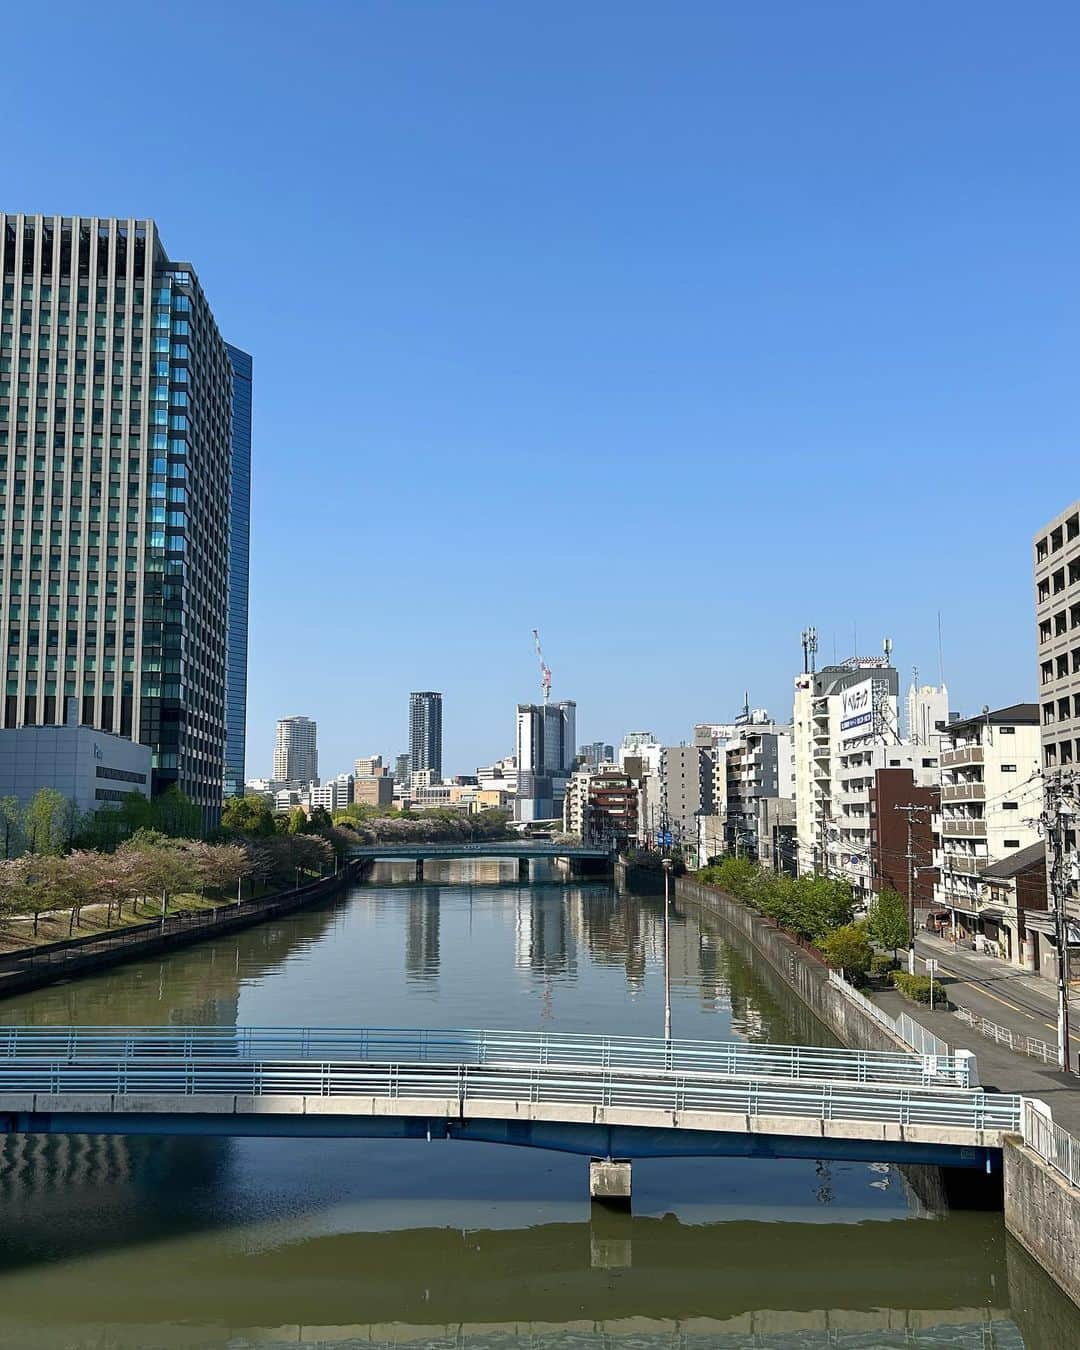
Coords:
882,965
917,987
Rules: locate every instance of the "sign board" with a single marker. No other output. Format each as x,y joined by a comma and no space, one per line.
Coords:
857,711
664,839
931,965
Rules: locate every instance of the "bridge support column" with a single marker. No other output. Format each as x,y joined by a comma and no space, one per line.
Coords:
523,869
419,869
609,1182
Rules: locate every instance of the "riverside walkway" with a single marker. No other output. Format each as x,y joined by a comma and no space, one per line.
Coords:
604,1097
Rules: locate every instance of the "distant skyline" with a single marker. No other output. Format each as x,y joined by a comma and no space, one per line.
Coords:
666,329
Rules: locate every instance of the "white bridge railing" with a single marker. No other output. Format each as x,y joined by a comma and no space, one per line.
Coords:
729,1059
111,1086
1025,1045
1053,1144
912,1033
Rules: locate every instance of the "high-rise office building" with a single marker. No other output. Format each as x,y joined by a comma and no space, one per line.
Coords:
116,443
545,757
239,550
296,755
425,733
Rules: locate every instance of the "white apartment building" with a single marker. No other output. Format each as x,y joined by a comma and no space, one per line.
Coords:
369,766
758,762
576,801
296,756
641,755
853,817
991,798
335,794
839,712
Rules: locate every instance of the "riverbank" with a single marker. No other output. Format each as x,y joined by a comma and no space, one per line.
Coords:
48,962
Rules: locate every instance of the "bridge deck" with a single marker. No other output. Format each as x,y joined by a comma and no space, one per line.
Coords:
414,852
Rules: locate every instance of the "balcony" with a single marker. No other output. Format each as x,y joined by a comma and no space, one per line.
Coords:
963,829
964,865
963,792
964,754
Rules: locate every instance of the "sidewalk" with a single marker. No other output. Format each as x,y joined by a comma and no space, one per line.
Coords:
1012,998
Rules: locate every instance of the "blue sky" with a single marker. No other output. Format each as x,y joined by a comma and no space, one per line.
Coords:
668,328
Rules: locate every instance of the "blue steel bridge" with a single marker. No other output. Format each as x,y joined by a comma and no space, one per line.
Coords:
598,1096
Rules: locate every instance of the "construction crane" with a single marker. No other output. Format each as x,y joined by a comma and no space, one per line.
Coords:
545,673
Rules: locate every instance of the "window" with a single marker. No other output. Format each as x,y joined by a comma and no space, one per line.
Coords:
1005,806
124,775
1012,843
1006,731
1008,768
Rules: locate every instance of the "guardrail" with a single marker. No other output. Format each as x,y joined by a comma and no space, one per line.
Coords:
454,1084
478,1047
912,1033
1024,1045
1053,1144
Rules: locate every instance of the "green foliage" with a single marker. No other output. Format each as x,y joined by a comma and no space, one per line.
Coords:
12,827
848,948
249,816
811,906
49,822
917,987
170,814
887,922
882,965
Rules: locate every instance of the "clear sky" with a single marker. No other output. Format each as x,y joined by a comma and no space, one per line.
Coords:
668,328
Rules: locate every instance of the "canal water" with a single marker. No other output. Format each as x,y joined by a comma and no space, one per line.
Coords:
179,1243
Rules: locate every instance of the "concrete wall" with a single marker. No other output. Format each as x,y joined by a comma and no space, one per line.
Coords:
804,973
1042,1211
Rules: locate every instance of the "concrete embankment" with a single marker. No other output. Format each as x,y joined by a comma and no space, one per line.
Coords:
805,973
54,961
1042,1211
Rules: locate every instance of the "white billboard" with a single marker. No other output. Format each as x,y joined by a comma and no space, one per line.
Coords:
857,711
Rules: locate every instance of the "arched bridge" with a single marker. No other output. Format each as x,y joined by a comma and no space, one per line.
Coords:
579,857
604,1097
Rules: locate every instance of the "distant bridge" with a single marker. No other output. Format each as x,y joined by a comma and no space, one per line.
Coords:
523,851
667,1101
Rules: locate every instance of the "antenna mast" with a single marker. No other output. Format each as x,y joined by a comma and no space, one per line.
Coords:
545,673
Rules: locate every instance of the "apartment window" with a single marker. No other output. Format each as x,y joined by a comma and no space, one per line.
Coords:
1012,843
1005,806
1006,731
1008,768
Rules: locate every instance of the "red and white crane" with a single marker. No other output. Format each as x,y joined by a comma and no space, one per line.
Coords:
545,673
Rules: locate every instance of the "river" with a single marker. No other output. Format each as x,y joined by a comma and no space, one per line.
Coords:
181,1243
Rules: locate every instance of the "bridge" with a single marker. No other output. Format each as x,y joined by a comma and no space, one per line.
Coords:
611,1099
578,856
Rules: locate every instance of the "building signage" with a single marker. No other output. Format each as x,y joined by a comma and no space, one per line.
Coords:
857,711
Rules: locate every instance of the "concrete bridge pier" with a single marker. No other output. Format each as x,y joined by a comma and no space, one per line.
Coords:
419,869
523,869
609,1182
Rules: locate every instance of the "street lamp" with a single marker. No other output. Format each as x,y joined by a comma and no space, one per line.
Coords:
667,864
297,886
239,883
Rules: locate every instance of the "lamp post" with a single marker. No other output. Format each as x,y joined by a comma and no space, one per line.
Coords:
239,883
297,886
667,864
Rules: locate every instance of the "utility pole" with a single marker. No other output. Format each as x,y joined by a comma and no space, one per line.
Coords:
1055,816
910,810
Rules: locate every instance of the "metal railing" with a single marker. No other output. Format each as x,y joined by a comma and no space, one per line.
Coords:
1024,1045
479,1047
450,1086
1053,1144
912,1033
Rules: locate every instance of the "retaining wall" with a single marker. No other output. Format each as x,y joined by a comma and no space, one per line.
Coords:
802,970
1042,1211
49,962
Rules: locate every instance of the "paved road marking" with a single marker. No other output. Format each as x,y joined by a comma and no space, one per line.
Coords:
980,989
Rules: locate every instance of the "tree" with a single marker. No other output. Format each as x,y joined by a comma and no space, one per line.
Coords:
50,821
12,827
887,922
849,948
250,816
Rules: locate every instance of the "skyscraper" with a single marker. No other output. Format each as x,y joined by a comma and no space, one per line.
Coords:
116,429
239,546
545,757
425,733
296,755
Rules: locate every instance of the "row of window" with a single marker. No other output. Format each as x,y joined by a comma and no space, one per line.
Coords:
124,775
1057,538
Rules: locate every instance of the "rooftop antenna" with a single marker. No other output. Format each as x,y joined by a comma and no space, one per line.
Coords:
545,673
809,649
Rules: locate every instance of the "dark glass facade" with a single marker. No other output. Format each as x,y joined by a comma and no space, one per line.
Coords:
239,554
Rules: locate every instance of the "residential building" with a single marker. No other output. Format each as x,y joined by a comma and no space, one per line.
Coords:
296,754
991,797
373,790
1013,895
757,762
117,406
369,766
904,803
852,829
575,801
425,733
1057,628
611,808
687,793
500,776
88,767
335,794
641,756
401,769
236,651
776,834
545,757
839,711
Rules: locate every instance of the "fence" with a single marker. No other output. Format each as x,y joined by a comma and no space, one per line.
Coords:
912,1033
1024,1045
730,1059
1053,1144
